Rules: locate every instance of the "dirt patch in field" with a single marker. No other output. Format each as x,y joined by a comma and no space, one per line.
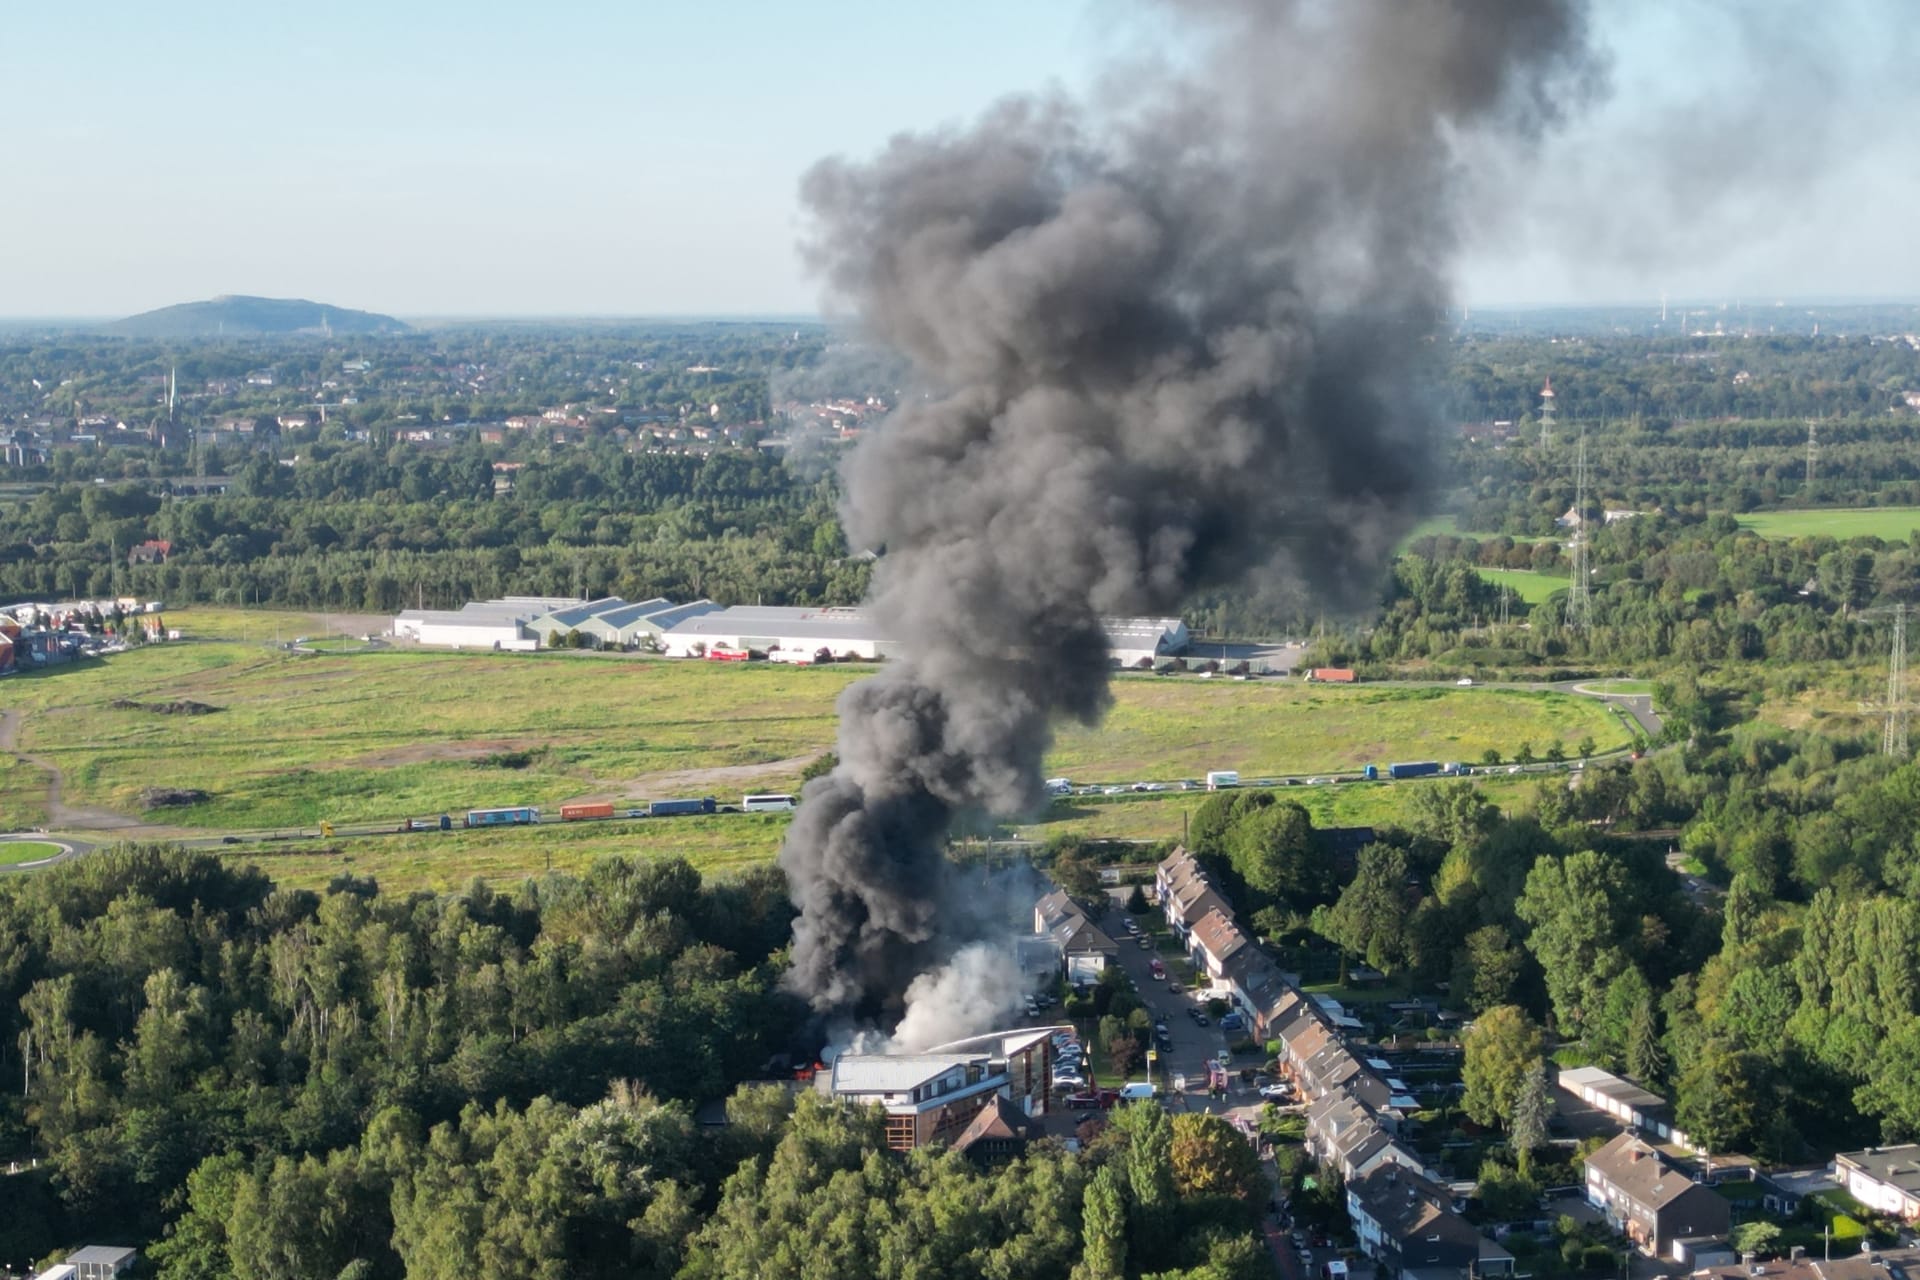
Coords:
427,752
720,778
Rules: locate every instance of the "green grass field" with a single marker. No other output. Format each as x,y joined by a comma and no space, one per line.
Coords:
1449,527
1620,686
1342,805
13,852
1531,587
1891,524
447,860
23,795
376,735
1171,729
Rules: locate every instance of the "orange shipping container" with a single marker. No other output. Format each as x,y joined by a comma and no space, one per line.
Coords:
577,812
1333,675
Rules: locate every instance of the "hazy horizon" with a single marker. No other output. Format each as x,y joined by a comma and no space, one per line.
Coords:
443,161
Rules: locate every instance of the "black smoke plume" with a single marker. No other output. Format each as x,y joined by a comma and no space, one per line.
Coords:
1158,347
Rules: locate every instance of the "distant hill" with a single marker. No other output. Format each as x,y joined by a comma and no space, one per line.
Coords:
241,317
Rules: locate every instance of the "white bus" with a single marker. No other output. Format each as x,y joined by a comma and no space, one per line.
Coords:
767,804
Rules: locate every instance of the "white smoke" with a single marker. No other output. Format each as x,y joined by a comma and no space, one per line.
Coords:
976,991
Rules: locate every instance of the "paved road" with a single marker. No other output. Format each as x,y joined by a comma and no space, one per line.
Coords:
1191,1046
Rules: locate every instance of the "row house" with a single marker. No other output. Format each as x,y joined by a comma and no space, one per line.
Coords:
1885,1179
1081,950
1654,1204
1407,1224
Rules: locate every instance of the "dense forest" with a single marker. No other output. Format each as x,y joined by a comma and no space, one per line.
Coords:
274,1083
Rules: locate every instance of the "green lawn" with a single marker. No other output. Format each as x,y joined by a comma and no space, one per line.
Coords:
17,851
1531,587
1621,687
1891,524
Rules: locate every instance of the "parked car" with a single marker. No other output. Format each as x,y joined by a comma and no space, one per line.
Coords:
1275,1093
1199,1018
1175,987
1093,1098
1231,1021
1146,943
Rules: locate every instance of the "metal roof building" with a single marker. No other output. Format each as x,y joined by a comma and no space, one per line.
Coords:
479,624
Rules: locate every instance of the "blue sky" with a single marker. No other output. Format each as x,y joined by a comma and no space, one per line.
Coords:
432,158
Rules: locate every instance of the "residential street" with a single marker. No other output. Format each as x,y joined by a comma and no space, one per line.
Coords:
1192,1046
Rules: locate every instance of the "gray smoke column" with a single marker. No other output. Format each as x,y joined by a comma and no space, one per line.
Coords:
1159,347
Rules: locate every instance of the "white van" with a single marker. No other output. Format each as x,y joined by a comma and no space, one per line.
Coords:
1222,778
1138,1091
1060,786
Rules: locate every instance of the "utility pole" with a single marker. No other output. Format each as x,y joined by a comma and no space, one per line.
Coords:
1894,741
1579,599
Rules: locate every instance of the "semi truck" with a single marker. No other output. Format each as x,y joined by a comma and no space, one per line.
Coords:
1220,778
1417,769
584,812
679,808
518,816
442,823
1331,675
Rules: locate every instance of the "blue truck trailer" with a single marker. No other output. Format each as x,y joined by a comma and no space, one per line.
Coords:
678,808
518,816
1417,769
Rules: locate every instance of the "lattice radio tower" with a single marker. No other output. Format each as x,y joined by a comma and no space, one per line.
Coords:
1894,741
1813,447
1579,599
1546,415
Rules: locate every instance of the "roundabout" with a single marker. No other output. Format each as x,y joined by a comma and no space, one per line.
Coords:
24,853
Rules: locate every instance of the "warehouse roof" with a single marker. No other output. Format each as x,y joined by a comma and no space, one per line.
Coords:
784,622
578,612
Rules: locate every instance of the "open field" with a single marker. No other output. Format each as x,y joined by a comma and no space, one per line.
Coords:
16,851
723,844
302,738
1168,729
23,795
376,735
1349,804
1449,527
1531,587
447,860
1891,524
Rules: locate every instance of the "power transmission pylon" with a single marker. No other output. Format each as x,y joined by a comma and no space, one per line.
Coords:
1546,416
1813,447
1579,599
1894,741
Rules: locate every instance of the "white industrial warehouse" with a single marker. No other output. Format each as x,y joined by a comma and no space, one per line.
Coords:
781,632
